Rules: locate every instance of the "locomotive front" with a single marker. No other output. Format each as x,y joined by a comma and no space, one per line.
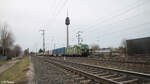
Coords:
85,50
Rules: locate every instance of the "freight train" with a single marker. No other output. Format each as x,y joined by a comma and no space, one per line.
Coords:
76,50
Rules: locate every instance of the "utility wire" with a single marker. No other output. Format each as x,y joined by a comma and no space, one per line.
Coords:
139,35
59,10
127,36
126,19
119,21
56,7
124,30
63,5
118,15
53,7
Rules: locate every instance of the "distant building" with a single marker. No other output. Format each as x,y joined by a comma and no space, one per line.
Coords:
102,52
48,52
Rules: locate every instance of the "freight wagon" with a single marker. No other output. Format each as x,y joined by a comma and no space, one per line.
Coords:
47,53
59,51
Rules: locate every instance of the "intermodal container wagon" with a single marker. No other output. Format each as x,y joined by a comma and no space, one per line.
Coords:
59,51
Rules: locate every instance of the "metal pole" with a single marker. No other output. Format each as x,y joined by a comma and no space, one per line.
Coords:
43,33
67,36
79,37
54,46
43,40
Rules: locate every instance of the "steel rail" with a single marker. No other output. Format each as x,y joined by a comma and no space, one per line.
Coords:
132,73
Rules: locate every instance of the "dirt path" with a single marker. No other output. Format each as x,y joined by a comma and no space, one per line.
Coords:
30,74
7,65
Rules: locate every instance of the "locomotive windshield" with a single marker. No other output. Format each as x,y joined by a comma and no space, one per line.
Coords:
85,47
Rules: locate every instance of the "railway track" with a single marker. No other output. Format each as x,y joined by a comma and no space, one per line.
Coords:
121,61
117,61
101,75
137,66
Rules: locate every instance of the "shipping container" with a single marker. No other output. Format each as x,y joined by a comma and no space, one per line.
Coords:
59,51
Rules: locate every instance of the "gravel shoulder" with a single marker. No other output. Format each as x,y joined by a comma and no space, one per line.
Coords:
46,73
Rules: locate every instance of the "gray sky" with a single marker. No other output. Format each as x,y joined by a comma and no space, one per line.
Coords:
103,22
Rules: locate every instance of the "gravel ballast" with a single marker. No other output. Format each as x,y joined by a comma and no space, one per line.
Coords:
46,73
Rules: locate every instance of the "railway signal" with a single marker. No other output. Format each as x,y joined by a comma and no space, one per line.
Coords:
67,22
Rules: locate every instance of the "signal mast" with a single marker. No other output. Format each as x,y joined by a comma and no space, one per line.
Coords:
67,22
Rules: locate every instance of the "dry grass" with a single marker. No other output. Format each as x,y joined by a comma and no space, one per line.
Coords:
3,62
17,73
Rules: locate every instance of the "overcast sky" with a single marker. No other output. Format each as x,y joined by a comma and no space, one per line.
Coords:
103,22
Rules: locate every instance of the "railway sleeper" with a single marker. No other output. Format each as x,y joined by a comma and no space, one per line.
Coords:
103,74
119,77
108,76
124,79
98,72
79,78
91,71
87,81
75,76
131,81
69,81
112,77
94,69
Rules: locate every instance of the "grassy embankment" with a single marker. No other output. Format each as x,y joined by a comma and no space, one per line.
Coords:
16,73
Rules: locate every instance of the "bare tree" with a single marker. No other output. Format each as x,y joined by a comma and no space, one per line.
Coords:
111,48
26,52
95,47
6,39
123,46
17,50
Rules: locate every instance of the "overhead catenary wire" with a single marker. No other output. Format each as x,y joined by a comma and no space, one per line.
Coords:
87,28
117,15
126,19
118,34
57,8
96,28
59,5
127,36
53,6
55,14
124,30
